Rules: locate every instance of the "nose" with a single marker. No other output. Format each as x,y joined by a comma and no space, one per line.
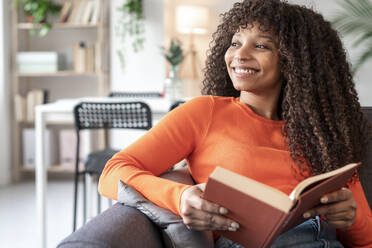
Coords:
243,53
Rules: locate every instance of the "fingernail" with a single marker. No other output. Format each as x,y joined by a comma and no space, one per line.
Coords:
324,199
306,215
223,210
234,225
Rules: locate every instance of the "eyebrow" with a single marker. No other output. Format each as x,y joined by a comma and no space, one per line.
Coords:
259,36
267,37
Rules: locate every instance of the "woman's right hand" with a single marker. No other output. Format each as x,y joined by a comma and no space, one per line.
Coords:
199,214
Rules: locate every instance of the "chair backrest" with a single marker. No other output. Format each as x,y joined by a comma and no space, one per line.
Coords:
135,94
175,105
100,115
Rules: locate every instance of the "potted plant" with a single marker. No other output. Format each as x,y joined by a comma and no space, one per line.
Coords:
174,55
37,12
355,19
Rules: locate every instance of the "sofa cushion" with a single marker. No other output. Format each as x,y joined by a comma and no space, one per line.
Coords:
177,235
365,172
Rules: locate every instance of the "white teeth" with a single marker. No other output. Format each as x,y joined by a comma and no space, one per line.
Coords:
246,71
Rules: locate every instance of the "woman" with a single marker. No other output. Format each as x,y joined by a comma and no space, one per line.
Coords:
281,106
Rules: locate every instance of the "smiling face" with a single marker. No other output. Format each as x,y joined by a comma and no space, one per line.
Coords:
252,62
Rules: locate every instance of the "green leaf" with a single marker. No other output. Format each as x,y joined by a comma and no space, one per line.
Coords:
363,38
121,58
27,7
44,29
355,20
366,55
174,55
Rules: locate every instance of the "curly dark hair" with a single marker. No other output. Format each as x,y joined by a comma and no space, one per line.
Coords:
323,121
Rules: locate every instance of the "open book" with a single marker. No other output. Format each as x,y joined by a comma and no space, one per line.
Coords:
263,212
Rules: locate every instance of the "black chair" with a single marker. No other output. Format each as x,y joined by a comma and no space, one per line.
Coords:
135,94
99,115
175,105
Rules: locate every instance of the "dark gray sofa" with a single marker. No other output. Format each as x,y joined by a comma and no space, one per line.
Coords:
125,227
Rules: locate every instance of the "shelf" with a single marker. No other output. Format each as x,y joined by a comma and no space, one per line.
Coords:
29,124
57,74
51,169
22,83
28,26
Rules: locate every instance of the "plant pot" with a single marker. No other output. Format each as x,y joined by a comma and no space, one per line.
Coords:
29,19
173,85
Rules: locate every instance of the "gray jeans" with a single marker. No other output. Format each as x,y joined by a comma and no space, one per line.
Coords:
313,233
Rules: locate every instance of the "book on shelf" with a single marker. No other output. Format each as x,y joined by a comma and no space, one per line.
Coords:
65,12
264,212
90,59
87,12
74,11
98,49
80,11
35,97
96,6
20,108
83,12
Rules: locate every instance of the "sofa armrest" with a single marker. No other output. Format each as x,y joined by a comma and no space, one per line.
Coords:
118,226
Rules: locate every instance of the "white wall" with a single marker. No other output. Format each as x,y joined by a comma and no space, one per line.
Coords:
5,144
144,71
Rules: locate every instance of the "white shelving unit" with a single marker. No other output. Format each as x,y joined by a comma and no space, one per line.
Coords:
66,83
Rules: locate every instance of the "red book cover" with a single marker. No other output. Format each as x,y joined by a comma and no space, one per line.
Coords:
263,212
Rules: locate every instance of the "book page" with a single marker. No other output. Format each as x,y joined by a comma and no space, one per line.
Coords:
318,178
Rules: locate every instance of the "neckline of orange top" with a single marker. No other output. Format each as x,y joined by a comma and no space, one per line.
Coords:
248,110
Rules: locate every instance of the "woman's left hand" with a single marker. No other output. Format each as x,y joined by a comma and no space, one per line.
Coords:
338,208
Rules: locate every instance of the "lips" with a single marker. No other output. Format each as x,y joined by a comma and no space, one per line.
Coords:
244,70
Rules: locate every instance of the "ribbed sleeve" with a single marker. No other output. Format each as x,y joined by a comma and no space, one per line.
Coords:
359,234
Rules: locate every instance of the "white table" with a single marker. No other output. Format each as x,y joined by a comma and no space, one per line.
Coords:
62,112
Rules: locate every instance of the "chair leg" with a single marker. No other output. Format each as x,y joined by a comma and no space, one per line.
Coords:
85,198
75,200
98,203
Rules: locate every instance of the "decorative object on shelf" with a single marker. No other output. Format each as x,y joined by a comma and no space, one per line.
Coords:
131,27
355,19
39,62
38,11
84,57
173,84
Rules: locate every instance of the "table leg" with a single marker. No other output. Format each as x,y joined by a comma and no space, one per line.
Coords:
40,179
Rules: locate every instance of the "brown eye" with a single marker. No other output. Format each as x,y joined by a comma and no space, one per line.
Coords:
261,46
234,44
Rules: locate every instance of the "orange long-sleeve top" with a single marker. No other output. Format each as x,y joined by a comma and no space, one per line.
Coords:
212,131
